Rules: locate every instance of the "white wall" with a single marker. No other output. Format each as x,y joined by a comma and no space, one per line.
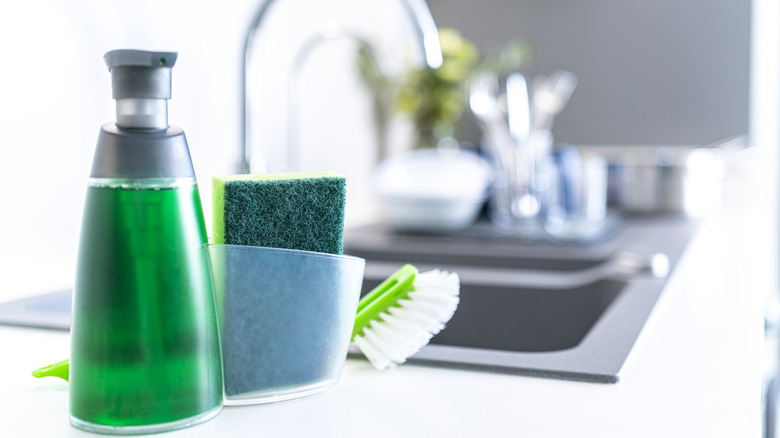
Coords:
55,93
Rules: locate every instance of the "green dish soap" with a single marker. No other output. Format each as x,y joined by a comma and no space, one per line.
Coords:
145,354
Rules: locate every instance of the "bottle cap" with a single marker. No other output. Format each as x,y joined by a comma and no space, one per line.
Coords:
141,85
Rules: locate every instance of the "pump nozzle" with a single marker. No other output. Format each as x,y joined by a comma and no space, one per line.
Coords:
141,83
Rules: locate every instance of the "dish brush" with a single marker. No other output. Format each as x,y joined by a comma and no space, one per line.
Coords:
401,315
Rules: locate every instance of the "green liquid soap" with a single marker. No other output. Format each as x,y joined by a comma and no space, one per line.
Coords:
144,347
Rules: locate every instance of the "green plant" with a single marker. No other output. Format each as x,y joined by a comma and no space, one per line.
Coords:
435,98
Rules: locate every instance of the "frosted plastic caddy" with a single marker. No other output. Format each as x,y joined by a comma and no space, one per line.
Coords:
285,319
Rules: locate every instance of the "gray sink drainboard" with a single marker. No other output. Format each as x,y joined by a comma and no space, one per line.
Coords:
568,329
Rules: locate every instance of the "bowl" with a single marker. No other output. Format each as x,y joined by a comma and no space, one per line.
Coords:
432,216
285,319
433,190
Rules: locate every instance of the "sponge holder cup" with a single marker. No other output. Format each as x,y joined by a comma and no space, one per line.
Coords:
285,318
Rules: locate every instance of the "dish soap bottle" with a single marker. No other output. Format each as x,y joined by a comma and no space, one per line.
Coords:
145,355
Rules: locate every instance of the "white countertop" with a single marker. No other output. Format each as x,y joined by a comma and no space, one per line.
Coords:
695,371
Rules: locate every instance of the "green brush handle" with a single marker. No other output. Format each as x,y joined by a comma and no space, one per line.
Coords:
60,369
382,297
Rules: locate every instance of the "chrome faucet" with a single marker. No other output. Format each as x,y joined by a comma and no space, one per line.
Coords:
309,25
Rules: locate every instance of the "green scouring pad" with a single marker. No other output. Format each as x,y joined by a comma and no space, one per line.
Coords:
283,210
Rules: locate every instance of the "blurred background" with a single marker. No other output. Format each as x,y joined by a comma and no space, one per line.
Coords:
660,73
650,73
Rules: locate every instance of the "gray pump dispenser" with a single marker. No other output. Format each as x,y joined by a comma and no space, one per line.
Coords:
141,144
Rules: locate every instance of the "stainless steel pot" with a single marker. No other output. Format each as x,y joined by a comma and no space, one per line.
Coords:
658,179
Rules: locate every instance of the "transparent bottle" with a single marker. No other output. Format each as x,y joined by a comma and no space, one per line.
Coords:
145,354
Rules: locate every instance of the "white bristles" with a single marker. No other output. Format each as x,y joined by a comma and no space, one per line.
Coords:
403,330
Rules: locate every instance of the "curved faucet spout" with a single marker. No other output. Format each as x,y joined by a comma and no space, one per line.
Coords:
269,86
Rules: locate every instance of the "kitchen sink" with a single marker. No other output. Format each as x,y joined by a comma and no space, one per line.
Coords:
542,309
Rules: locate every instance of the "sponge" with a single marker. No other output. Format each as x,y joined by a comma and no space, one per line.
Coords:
302,211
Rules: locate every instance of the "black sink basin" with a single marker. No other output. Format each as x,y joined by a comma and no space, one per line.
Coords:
524,319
